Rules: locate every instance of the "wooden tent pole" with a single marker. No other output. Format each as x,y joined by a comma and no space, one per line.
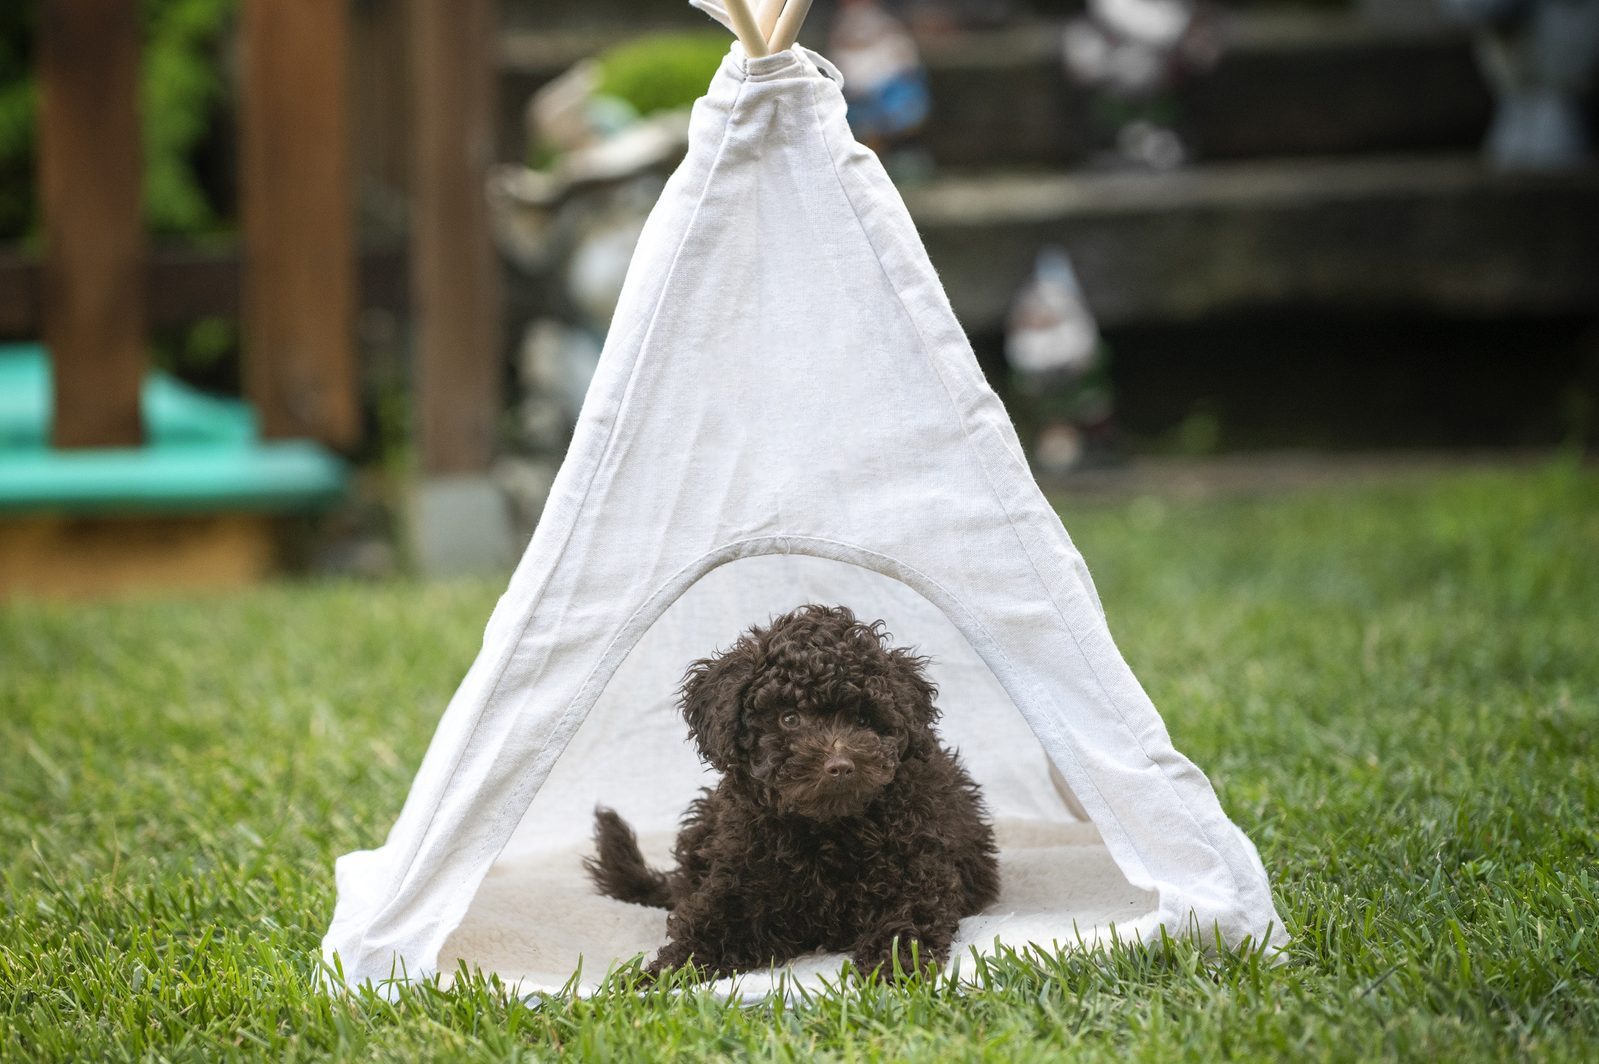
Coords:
746,28
767,16
788,25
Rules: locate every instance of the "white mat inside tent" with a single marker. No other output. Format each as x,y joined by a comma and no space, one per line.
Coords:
536,918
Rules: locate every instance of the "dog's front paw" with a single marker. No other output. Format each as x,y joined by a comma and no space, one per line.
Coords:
671,956
675,956
899,955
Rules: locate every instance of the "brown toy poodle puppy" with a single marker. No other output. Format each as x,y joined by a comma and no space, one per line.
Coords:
840,822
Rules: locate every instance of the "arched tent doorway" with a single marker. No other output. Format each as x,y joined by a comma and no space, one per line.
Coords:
535,919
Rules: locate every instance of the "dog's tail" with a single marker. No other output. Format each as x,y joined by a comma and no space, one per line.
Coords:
618,868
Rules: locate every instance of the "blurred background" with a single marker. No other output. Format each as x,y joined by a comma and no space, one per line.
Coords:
316,287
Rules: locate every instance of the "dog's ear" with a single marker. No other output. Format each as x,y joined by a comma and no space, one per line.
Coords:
906,687
710,696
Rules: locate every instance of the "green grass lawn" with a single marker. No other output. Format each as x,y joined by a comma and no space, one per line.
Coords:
1395,690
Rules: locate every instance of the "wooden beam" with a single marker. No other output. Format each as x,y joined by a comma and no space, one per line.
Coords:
456,293
183,285
89,179
300,366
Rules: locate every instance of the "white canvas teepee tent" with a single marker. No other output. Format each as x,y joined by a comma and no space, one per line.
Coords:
786,411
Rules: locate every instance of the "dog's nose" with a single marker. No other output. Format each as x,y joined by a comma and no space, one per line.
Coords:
838,767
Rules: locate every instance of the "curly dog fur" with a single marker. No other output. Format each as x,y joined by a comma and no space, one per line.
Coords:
840,822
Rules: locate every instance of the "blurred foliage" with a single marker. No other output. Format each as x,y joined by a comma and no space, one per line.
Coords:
183,85
662,72
181,88
205,353
17,102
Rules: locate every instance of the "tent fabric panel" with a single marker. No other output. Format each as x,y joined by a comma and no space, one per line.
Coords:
785,376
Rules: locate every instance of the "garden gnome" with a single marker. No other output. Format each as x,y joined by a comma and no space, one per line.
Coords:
1132,54
885,83
1057,362
1539,56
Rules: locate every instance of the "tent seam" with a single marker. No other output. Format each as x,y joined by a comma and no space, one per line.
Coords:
782,540
731,551
877,256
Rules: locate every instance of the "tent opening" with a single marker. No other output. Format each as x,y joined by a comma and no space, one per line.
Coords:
536,918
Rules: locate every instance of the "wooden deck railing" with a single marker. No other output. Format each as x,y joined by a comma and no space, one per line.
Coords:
298,279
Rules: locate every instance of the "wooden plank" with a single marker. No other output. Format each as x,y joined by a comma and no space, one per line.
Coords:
51,556
183,285
295,200
91,295
456,287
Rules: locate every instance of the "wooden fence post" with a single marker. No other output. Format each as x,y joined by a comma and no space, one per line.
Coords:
456,297
89,180
295,195
459,517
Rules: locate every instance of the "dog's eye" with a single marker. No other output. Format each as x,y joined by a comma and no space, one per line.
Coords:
790,719
863,721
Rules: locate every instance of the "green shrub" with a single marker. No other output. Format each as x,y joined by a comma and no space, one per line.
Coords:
661,72
181,89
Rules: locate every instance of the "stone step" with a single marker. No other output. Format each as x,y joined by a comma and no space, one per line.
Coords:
1426,234
1305,84
1299,85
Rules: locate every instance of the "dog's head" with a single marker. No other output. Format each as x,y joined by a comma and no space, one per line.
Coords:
813,713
